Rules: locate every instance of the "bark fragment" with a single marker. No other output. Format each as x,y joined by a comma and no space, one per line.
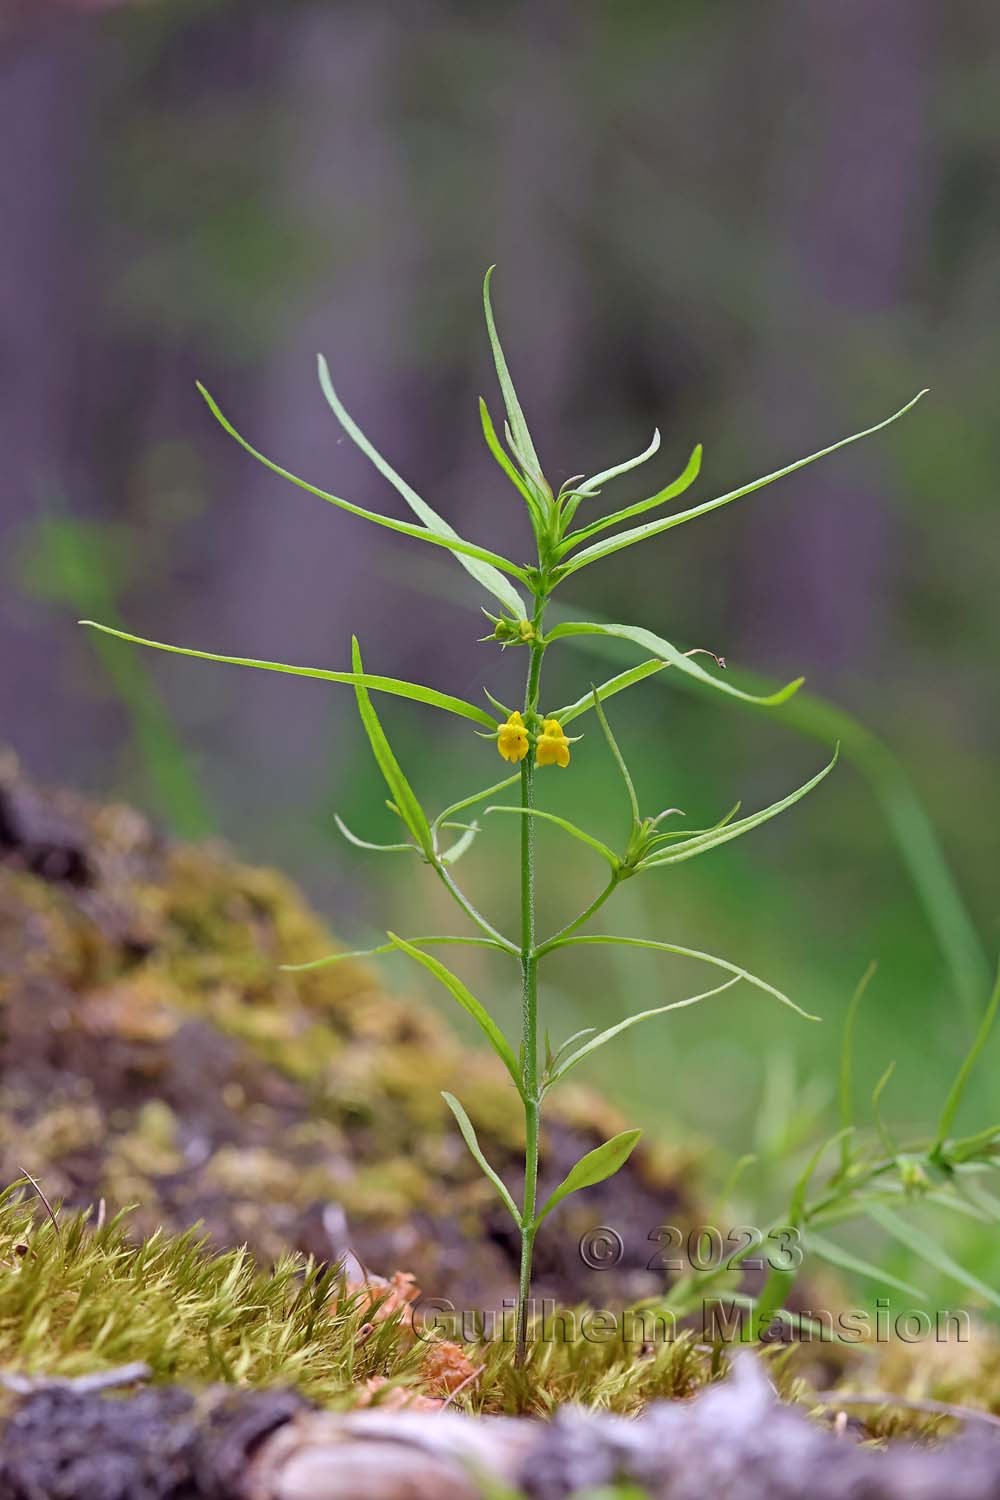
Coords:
736,1438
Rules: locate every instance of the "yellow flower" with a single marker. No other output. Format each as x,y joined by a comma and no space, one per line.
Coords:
512,738
552,748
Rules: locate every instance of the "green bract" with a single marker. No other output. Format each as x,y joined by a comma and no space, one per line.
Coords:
533,738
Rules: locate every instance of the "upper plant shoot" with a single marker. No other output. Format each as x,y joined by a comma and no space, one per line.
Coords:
571,528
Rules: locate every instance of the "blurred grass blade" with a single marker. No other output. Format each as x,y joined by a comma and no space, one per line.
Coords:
928,1250
888,1143
593,484
603,1162
722,835
567,827
670,492
494,445
447,539
523,445
472,1141
646,1015
844,1260
469,1004
79,565
669,653
674,948
491,580
396,686
846,1080
653,528
957,1089
403,794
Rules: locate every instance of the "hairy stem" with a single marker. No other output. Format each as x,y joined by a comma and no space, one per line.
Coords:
529,1000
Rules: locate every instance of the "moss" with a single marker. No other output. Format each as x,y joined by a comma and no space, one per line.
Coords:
152,1052
75,1300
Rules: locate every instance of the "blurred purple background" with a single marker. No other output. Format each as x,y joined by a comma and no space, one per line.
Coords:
761,227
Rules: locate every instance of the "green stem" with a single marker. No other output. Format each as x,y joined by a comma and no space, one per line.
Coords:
529,999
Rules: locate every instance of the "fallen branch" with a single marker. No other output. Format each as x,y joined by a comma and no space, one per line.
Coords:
736,1438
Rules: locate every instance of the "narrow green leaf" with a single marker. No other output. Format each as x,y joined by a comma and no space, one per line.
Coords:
771,1301
670,654
491,579
619,760
705,841
957,1089
617,684
625,680
676,487
489,791
593,484
428,942
603,1162
394,685
970,1187
451,542
535,482
967,1147
469,1004
653,528
706,958
827,1250
877,1092
519,427
954,1203
930,1251
493,443
645,1015
472,1141
553,1057
352,838
846,1091
688,833
567,827
403,794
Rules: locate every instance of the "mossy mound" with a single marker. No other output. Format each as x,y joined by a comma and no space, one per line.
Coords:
152,1054
78,1298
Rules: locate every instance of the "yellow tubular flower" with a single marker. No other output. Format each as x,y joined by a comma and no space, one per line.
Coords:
552,747
512,738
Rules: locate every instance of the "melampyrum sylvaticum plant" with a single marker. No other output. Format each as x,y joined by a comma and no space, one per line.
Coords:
571,532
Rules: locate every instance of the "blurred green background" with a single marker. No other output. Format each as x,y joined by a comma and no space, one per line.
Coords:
759,227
